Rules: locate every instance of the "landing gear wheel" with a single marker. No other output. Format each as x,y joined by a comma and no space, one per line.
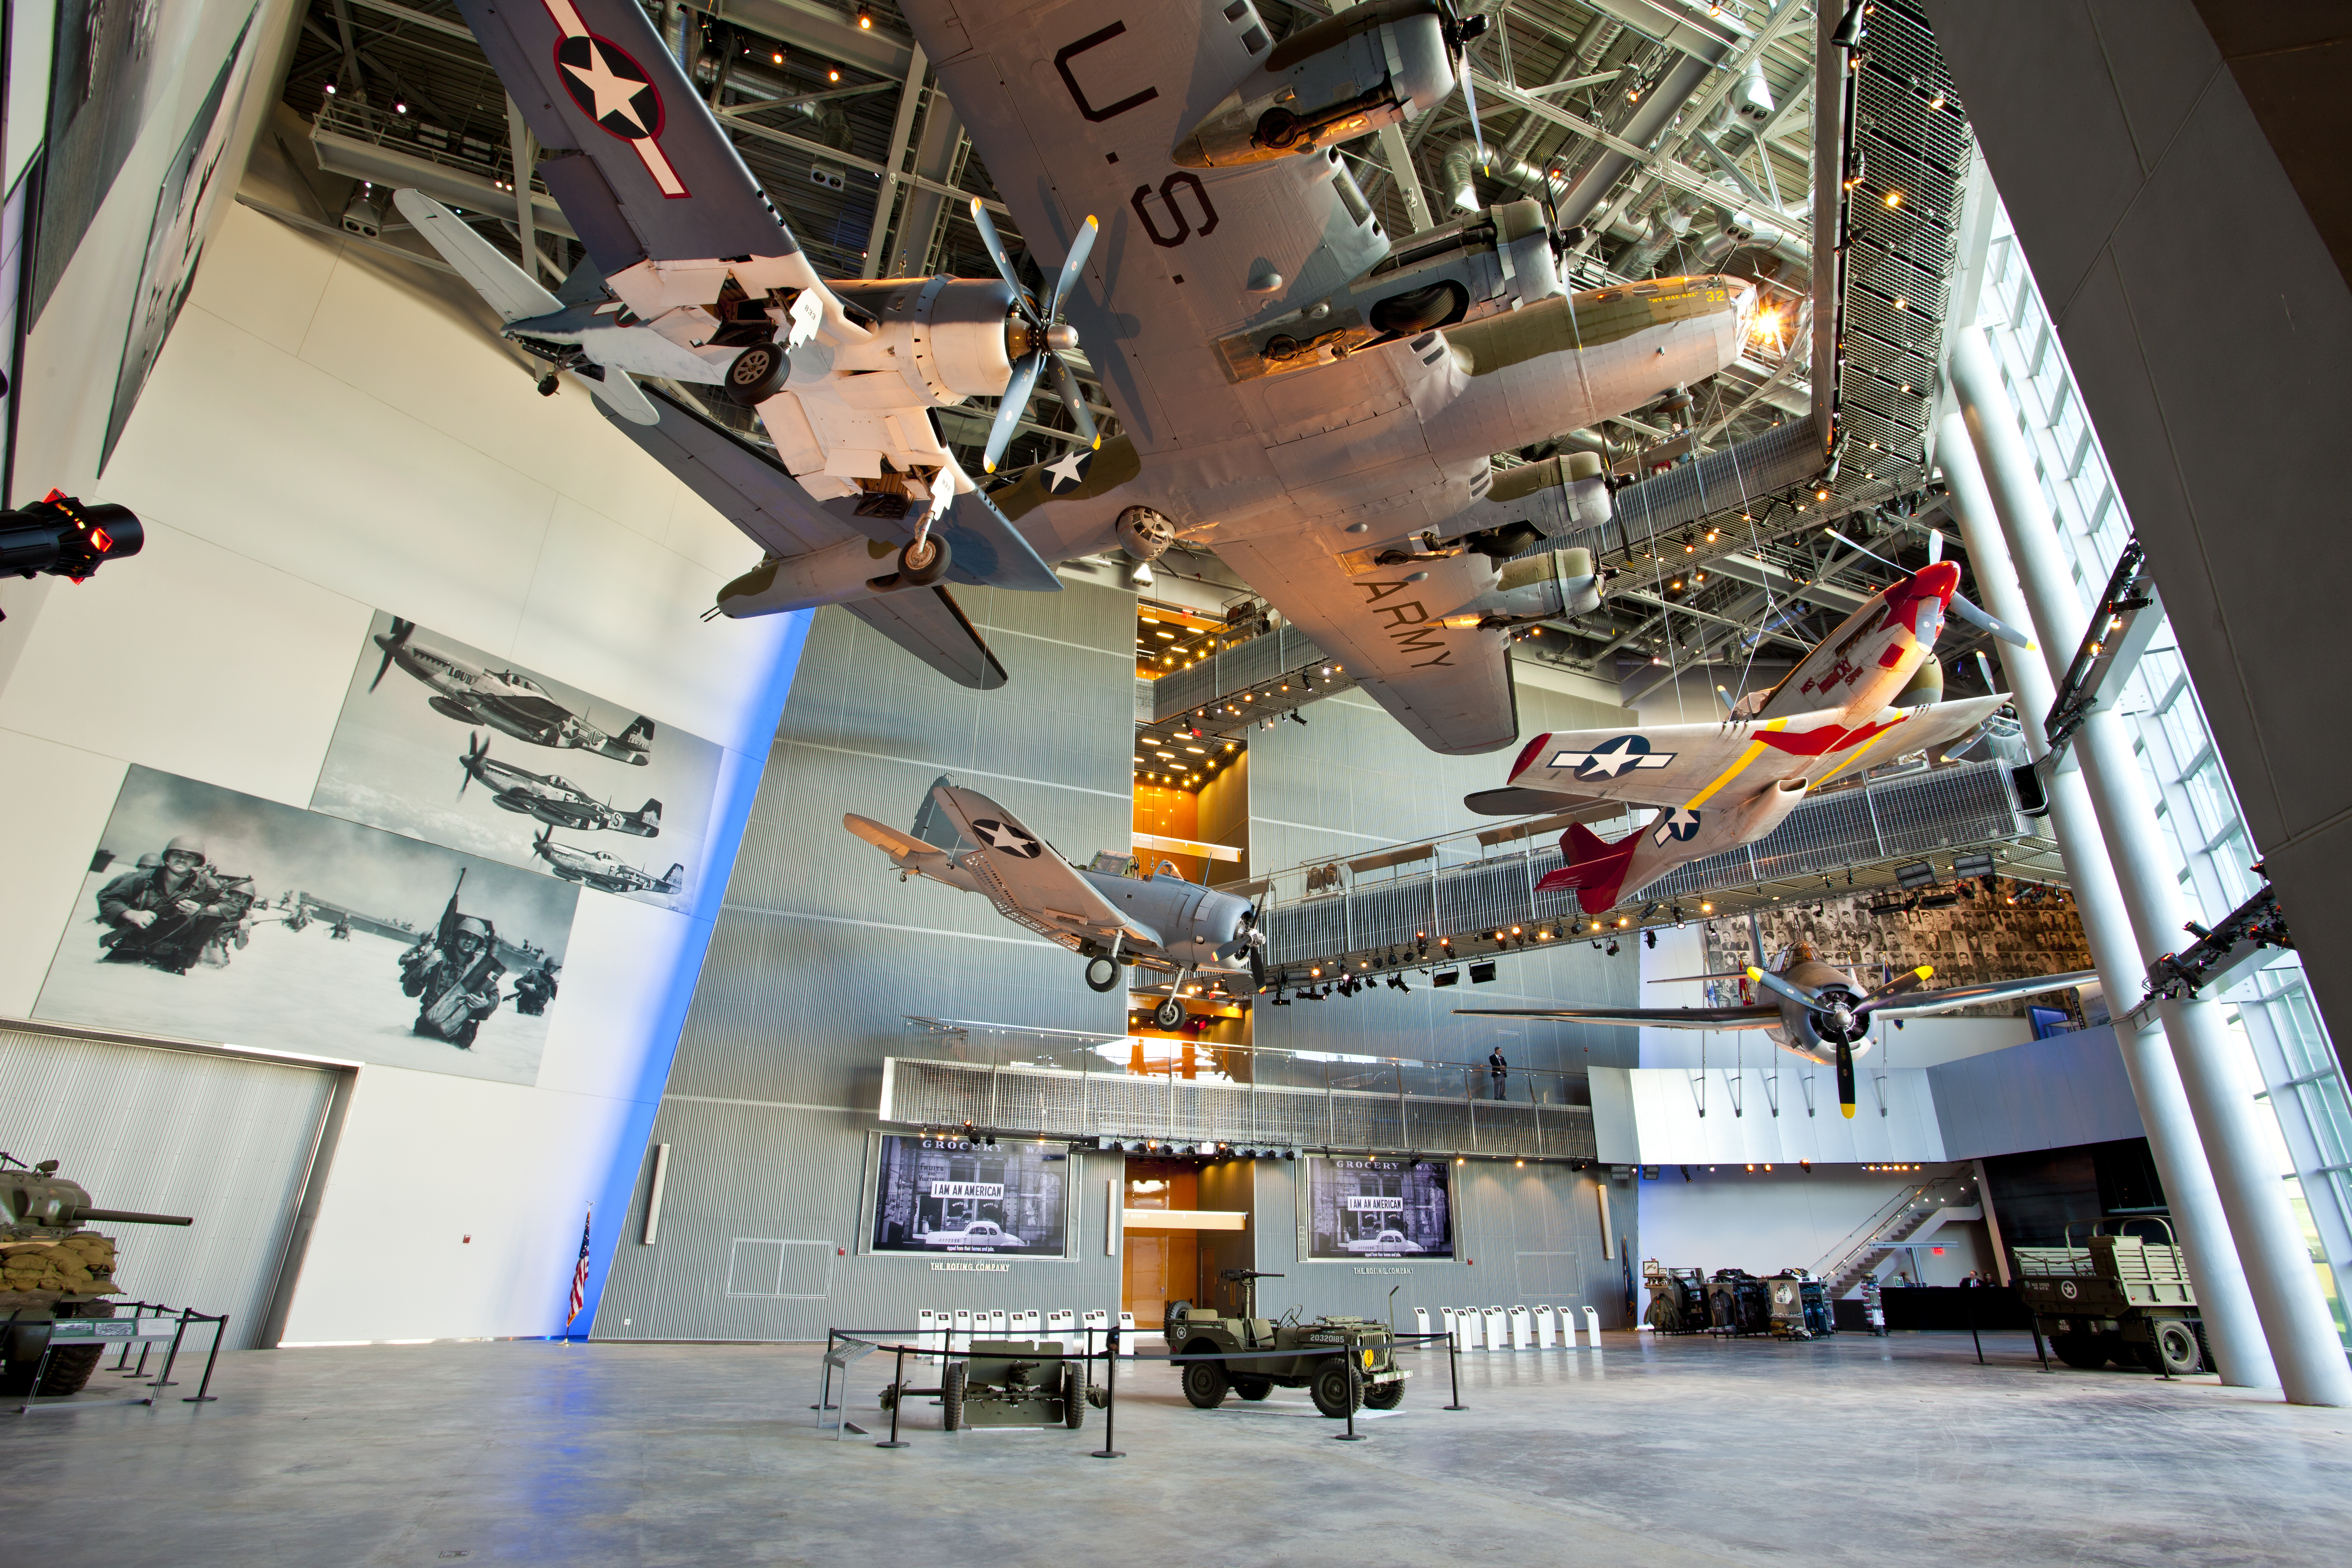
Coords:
1278,128
1102,973
1251,1388
2083,1352
951,1397
1330,1390
2174,1350
756,373
548,384
1074,1397
1385,1395
1205,1384
919,568
1168,1014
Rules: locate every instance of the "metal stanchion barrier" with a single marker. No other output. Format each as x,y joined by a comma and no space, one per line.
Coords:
1110,1448
897,1397
1454,1370
1355,1394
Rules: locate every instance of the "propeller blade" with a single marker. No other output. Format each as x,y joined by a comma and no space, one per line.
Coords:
1845,1080
1470,102
477,748
1910,980
1984,621
399,639
1934,545
1071,264
1003,259
1865,549
1985,665
1015,405
1066,384
1778,987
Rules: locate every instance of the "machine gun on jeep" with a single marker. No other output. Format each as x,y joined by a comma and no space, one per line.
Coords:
1343,1363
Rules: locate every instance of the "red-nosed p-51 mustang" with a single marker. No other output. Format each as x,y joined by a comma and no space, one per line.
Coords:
1872,690
1317,405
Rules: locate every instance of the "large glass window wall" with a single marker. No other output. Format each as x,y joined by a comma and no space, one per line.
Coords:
2289,1060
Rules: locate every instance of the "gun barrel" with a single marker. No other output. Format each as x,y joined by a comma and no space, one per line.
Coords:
126,1216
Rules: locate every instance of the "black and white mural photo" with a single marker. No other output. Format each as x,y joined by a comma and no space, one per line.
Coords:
943,1196
442,741
211,915
1378,1208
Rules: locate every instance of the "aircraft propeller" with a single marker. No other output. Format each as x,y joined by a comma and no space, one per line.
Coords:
1250,940
1461,31
1962,606
472,761
1848,1018
401,632
1051,336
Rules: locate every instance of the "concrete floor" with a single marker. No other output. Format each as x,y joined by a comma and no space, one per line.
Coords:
1655,1453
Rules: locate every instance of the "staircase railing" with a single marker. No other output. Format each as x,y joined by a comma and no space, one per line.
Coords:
1895,1220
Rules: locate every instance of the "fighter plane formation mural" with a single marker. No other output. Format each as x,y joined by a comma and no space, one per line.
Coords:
442,741
1293,392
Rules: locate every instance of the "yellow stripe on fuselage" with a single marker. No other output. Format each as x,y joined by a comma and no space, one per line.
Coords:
1755,750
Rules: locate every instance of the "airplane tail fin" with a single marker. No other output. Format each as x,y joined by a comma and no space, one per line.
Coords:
639,735
650,813
511,293
677,874
935,827
1595,867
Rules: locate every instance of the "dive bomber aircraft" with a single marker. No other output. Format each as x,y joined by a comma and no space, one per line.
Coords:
511,703
966,841
601,870
552,798
1818,1011
1318,405
1873,687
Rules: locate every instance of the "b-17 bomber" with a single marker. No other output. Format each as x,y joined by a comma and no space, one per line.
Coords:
505,700
550,797
1314,400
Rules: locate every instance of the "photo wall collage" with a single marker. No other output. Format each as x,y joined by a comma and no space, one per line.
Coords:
417,913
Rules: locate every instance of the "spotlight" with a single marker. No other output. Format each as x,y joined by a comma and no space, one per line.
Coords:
865,20
1611,949
1649,937
1480,973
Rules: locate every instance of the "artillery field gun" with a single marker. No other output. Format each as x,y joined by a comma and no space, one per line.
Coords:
1010,1382
2116,1298
52,1268
1371,1346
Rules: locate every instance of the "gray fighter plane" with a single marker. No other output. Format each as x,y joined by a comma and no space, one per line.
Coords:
511,703
1165,923
552,798
601,870
1315,403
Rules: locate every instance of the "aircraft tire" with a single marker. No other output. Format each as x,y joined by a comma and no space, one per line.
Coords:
756,373
1168,1014
930,569
1108,970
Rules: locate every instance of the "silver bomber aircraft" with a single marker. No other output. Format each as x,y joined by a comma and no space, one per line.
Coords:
1318,405
605,872
549,798
511,703
966,841
1817,1010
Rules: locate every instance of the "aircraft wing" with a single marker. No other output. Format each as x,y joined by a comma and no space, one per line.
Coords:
1029,883
1759,1016
743,484
1920,1002
641,169
932,626
1450,687
1075,109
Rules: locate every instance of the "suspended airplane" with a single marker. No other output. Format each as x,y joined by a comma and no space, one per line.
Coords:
1294,393
1818,1011
601,870
1163,924
511,703
552,798
1871,688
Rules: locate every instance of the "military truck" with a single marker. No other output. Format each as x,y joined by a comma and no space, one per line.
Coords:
1311,1365
52,1268
2116,1298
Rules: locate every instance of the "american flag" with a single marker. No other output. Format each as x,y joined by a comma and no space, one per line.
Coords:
579,1272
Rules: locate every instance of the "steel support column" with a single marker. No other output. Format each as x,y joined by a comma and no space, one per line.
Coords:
2233,1329
902,131
2311,1363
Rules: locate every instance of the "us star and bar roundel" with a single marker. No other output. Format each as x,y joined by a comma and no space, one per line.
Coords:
1613,757
613,89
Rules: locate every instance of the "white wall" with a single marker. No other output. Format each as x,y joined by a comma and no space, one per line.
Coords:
329,432
1729,1217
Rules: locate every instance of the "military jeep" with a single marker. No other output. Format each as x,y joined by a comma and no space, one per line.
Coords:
1311,1365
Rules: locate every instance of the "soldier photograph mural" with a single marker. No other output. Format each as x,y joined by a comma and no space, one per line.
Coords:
211,915
442,741
944,1196
1378,1208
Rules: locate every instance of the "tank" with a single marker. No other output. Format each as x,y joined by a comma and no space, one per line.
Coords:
52,1265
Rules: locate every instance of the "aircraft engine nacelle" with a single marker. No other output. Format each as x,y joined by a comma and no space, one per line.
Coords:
1559,583
1368,67
1762,812
939,342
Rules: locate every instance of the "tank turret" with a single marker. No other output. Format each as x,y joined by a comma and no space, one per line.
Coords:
51,1266
38,1205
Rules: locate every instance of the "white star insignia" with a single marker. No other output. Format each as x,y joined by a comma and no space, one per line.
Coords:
1069,470
615,94
1680,822
1611,758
